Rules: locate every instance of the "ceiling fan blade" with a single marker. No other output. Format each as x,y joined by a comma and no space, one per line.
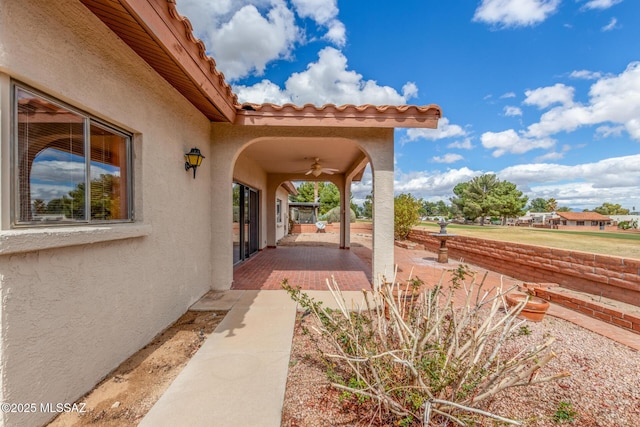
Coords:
309,171
328,172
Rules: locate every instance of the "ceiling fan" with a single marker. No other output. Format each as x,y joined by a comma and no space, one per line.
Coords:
317,169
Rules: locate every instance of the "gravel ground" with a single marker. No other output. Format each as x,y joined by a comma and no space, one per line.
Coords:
603,390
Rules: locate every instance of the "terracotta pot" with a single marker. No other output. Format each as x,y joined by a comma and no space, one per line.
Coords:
534,309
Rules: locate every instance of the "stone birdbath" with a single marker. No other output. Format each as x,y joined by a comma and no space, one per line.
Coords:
443,251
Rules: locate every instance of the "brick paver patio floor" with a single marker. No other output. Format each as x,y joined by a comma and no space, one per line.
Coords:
304,266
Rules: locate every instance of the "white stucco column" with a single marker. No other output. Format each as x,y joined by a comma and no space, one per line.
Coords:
383,242
222,160
380,152
272,187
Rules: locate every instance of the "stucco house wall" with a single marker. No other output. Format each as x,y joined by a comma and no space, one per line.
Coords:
282,228
76,301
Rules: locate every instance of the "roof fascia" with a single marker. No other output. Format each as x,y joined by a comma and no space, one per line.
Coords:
175,35
406,116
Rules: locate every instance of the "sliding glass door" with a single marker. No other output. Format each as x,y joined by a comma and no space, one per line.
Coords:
245,222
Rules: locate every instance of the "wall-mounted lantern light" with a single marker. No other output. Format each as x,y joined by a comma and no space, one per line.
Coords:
193,159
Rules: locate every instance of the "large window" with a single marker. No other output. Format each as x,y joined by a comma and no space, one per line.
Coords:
69,166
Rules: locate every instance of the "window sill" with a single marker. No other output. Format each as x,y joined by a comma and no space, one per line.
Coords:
38,239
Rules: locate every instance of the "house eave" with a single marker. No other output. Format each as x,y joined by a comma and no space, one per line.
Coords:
164,39
385,116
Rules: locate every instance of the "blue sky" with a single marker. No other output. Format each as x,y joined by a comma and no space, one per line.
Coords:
543,93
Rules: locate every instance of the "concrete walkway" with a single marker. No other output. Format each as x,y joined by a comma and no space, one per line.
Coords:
239,375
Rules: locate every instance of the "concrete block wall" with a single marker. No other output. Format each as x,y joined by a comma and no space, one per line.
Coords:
609,276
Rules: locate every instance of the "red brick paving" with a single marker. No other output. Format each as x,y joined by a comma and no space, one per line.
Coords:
306,266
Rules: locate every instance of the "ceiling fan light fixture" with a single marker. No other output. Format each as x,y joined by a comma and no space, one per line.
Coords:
317,172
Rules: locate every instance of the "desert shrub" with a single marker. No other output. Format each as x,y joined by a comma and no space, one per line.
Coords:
429,361
333,215
406,214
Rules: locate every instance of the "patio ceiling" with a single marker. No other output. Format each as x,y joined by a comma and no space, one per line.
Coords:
294,156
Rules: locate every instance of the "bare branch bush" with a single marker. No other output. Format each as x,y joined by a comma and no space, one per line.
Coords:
425,360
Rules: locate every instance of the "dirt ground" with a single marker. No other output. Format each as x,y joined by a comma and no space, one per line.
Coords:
129,392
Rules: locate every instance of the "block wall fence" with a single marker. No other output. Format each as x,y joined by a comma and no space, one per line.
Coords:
609,276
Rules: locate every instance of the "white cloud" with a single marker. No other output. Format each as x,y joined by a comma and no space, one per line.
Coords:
601,4
607,131
58,171
465,144
336,33
48,192
553,155
426,184
323,12
444,130
510,141
611,25
612,99
606,173
241,38
515,13
615,180
546,96
511,111
326,81
264,91
447,158
508,95
586,75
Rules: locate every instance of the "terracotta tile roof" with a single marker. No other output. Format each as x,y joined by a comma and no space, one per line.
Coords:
157,32
202,50
583,216
366,115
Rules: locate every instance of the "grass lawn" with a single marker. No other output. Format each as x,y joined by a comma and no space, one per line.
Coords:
622,243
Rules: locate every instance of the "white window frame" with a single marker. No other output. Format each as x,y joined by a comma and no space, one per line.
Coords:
88,121
279,211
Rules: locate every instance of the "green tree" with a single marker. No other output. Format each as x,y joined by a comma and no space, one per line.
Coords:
506,201
473,197
442,209
538,205
552,205
105,204
462,205
406,214
328,195
611,209
564,209
306,192
367,206
486,195
39,206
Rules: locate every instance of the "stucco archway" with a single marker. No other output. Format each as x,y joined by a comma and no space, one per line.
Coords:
264,157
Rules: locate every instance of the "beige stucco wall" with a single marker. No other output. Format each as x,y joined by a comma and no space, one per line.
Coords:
74,301
282,228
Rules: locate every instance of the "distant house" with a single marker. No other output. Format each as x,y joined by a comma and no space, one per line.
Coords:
536,219
580,220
